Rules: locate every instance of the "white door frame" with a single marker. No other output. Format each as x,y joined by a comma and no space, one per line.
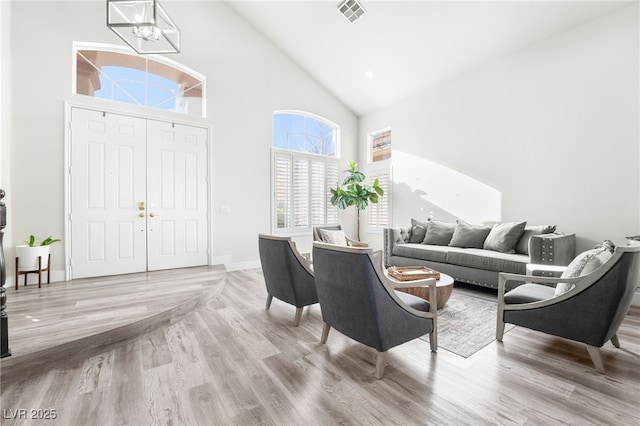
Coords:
131,112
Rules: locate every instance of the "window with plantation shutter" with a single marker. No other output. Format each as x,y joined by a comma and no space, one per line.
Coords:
379,213
301,191
303,172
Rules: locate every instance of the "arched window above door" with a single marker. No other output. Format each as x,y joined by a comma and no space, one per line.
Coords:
119,75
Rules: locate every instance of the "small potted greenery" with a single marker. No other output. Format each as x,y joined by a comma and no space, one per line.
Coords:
29,253
354,192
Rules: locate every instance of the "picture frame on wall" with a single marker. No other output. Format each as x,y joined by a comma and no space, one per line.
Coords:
380,145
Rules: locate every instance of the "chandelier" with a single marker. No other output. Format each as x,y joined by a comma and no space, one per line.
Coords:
144,25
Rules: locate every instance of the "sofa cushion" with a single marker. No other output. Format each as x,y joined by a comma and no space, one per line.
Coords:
413,301
488,260
530,292
333,237
439,233
583,264
418,230
467,235
503,237
421,251
522,246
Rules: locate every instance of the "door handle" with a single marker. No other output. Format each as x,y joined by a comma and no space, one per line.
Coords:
141,206
141,214
152,214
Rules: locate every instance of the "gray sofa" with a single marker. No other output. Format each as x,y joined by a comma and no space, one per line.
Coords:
474,265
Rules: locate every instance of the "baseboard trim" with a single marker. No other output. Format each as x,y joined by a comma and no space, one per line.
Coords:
56,276
230,265
221,260
239,266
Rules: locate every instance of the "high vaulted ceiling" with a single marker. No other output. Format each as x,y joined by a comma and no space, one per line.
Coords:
408,45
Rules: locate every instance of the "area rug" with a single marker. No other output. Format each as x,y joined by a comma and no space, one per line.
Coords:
466,324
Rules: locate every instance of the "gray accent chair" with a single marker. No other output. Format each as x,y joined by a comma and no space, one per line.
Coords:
590,313
287,274
358,300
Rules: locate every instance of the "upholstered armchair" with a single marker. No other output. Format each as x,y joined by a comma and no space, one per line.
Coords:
358,300
590,310
333,234
287,274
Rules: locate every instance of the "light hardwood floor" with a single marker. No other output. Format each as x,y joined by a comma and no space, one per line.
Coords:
233,362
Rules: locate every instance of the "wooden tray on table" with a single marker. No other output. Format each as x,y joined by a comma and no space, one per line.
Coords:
412,273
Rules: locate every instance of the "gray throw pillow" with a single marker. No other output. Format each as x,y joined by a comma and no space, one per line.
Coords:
418,229
439,233
583,264
529,231
333,237
503,237
469,236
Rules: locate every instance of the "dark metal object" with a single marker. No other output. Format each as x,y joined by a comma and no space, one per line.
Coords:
4,318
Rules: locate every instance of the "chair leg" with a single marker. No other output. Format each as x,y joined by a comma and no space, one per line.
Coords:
269,299
325,332
296,320
615,341
499,326
596,357
433,341
380,365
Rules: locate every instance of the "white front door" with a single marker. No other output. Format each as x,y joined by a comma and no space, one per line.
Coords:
138,195
108,181
177,195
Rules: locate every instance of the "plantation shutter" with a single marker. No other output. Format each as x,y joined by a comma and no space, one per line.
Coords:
331,182
282,193
379,212
301,192
318,196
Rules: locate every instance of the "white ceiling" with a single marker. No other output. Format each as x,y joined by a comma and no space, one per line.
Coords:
409,45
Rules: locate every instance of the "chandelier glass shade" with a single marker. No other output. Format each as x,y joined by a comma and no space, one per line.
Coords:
144,25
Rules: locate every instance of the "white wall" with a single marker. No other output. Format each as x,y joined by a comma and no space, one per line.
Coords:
548,135
5,94
247,79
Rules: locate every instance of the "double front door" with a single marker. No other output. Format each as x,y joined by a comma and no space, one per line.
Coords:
138,194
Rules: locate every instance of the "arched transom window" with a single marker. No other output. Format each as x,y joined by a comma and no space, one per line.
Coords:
151,82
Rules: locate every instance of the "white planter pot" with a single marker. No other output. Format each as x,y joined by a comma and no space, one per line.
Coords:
28,257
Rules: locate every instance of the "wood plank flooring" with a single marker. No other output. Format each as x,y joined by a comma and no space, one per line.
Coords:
60,319
233,362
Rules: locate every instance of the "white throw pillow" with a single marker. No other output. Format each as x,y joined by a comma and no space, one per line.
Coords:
583,264
333,237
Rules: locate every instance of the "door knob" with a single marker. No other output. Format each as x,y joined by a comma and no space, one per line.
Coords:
152,214
141,205
141,214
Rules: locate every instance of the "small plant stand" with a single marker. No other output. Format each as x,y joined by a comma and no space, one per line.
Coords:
38,271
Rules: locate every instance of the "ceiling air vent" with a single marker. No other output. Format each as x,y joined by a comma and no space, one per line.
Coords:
351,9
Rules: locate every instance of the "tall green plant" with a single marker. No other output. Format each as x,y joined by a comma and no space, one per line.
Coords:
354,192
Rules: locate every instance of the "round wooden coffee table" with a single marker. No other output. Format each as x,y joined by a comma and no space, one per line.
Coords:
444,288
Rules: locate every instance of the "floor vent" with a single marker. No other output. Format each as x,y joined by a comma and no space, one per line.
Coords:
352,10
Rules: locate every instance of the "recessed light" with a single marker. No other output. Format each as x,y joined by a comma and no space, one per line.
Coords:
369,73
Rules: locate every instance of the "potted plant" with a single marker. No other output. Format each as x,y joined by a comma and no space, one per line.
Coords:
354,192
29,253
